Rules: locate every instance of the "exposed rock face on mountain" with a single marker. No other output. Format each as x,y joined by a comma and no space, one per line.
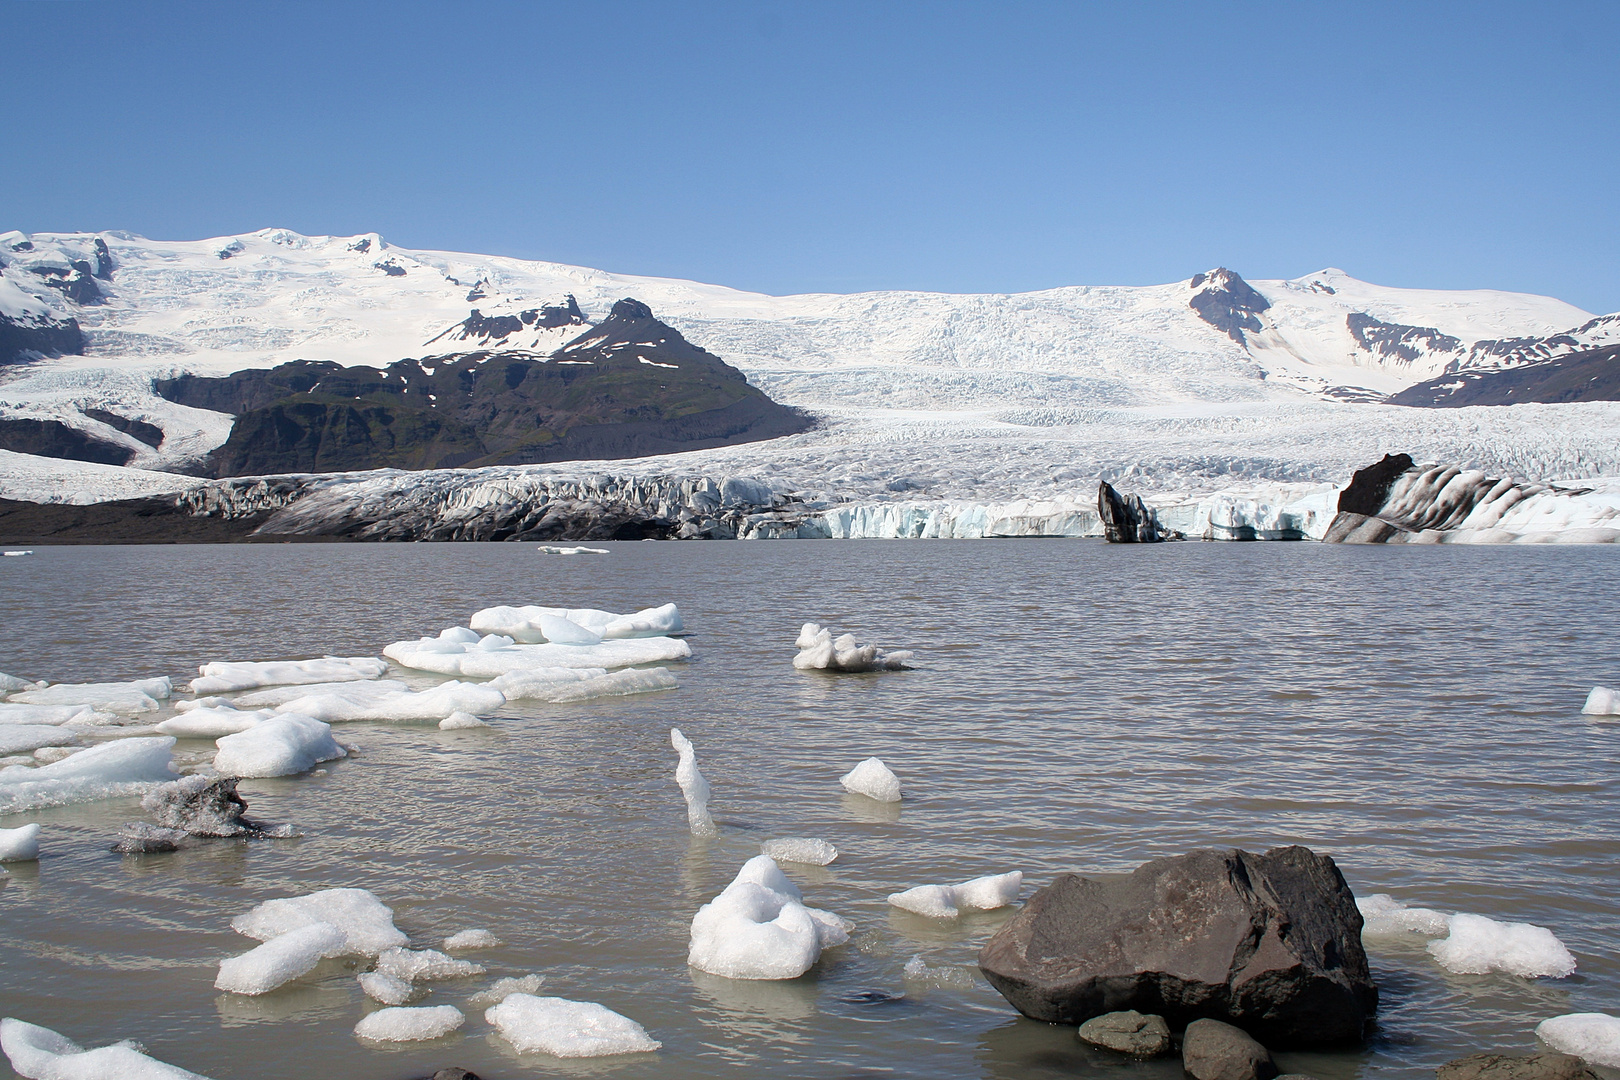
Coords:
21,338
1228,303
631,386
52,438
1270,943
1587,375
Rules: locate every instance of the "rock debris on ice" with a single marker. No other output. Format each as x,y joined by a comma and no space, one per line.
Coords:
126,767
1593,1037
820,651
693,786
41,1054
1478,945
800,849
759,928
567,1029
410,1025
949,901
873,779
283,746
223,676
141,838
206,806
20,844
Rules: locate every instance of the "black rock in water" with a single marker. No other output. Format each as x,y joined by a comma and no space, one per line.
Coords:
1270,943
1126,519
1211,1050
1548,1066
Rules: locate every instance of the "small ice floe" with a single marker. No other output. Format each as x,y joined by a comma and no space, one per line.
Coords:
759,928
559,686
275,696
108,771
504,988
20,844
546,549
567,1029
424,965
14,554
185,706
693,786
300,931
820,651
461,652
1593,1037
800,849
949,901
212,722
223,676
386,988
280,960
11,684
283,746
380,702
42,1054
528,624
26,738
1602,702
460,721
52,715
410,1025
873,779
919,971
1478,945
1384,916
471,939
120,698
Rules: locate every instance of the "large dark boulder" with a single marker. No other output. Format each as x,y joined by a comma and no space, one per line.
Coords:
1270,943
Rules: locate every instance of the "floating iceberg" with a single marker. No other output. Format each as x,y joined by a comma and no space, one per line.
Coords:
471,939
223,676
559,686
545,549
525,624
10,684
820,651
1593,1037
424,965
41,1054
873,779
281,959
800,850
367,923
486,658
504,988
345,703
26,738
693,786
120,698
568,1029
759,928
212,722
1382,915
1477,945
20,844
55,715
1602,702
386,988
283,746
948,901
410,1025
108,771
461,721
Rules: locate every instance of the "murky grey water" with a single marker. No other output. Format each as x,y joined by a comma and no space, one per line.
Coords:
1412,711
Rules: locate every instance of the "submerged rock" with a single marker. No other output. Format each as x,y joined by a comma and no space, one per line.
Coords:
1211,1050
139,838
1128,1032
1515,1067
1269,942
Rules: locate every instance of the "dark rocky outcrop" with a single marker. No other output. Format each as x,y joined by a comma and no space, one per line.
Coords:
1228,303
1211,1050
22,338
1126,519
155,519
1369,487
1584,375
1128,1032
1395,341
150,434
631,386
1270,943
1546,1066
52,438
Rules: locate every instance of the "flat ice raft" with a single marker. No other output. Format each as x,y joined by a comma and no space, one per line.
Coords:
41,1054
463,653
533,624
108,771
223,676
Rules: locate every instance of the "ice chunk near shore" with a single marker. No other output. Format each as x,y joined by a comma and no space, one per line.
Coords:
20,844
1478,945
759,928
381,702
367,923
281,959
582,684
212,722
223,676
410,1025
525,624
1382,915
283,746
1602,702
800,849
460,721
119,698
820,651
504,988
693,786
10,684
873,779
1593,1037
424,965
471,939
567,1029
948,901
41,1054
26,738
490,657
386,988
111,770
53,715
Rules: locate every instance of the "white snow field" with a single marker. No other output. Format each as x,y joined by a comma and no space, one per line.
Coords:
1593,1037
223,676
41,1054
693,787
113,769
820,651
948,901
872,778
410,1025
567,1029
284,745
759,928
950,415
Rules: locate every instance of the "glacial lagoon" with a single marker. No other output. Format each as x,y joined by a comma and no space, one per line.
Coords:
1413,712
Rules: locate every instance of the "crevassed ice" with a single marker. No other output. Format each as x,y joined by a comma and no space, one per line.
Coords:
113,769
282,746
759,928
873,779
1477,945
948,901
568,1029
1593,1037
410,1024
42,1054
223,676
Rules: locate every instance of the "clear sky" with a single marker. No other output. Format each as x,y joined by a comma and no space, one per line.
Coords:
990,147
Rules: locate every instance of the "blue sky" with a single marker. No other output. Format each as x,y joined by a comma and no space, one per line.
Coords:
991,147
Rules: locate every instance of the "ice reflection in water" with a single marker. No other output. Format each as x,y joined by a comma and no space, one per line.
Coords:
1414,712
